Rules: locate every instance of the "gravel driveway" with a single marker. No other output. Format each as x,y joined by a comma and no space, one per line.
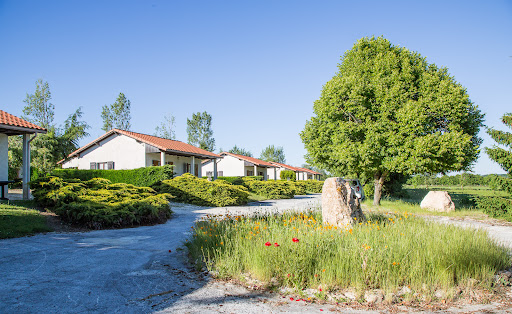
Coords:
132,270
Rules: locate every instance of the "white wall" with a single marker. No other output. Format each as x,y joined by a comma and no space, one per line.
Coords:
230,166
124,151
4,160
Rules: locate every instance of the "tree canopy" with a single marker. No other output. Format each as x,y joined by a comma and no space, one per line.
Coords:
117,115
47,149
199,130
240,151
273,153
389,111
502,156
166,128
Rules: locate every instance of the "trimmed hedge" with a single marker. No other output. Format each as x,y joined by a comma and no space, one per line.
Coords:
190,189
287,174
97,203
314,186
495,206
272,189
145,176
232,180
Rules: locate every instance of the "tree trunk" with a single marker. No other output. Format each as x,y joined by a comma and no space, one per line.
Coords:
378,184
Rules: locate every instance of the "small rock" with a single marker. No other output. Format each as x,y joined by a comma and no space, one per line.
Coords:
440,294
351,295
405,290
374,296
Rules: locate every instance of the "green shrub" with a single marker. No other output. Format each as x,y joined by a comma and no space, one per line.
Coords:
232,180
495,206
299,186
314,186
97,203
190,189
145,176
271,189
287,175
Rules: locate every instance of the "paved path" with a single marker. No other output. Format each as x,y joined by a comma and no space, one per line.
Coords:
132,270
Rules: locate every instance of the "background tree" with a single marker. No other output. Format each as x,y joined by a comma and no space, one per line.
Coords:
46,149
502,156
199,130
166,128
117,115
240,151
272,153
388,111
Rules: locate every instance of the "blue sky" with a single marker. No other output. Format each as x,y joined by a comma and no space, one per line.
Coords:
255,66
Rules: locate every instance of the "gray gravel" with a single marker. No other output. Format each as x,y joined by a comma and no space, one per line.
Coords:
132,270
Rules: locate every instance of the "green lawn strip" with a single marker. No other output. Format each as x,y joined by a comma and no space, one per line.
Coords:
388,252
19,221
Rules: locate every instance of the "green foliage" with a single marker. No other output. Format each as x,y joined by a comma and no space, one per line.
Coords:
145,176
271,189
496,206
97,203
389,111
393,186
287,175
166,128
240,151
500,155
464,179
39,110
300,187
199,130
273,153
388,252
314,186
46,149
232,180
190,189
117,115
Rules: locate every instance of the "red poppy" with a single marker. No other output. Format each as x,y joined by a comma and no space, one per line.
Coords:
291,299
268,244
295,240
276,245
169,251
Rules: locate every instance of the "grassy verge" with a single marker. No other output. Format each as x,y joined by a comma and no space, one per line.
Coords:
18,221
387,252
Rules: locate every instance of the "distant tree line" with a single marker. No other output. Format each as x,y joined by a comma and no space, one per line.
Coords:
463,179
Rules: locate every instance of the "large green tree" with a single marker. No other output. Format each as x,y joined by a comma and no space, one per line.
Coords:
240,151
273,153
389,111
46,149
500,155
166,128
199,130
117,115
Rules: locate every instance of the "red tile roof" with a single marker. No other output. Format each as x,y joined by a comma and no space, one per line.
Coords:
7,120
308,170
253,160
284,166
158,142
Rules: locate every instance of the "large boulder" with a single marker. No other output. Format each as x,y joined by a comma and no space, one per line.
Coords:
439,201
339,203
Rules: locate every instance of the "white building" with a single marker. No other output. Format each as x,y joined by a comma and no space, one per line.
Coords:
119,149
233,165
11,125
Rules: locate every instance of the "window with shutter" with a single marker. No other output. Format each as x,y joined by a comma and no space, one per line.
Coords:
93,166
110,165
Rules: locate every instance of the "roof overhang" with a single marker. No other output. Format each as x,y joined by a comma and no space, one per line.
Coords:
17,130
186,154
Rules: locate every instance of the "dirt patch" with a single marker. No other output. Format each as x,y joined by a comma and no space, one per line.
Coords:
58,225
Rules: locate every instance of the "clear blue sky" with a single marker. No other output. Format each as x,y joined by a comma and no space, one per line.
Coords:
255,66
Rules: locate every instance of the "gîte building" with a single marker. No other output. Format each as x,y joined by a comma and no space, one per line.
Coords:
120,149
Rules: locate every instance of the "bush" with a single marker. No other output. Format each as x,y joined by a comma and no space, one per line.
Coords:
97,203
495,206
287,175
313,186
190,189
272,189
232,180
145,176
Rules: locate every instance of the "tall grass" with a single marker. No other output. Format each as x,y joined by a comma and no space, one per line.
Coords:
386,252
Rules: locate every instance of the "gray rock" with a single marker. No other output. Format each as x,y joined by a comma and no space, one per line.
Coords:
340,206
440,294
439,201
374,296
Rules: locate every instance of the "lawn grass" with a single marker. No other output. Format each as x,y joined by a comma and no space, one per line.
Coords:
18,220
387,252
462,197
